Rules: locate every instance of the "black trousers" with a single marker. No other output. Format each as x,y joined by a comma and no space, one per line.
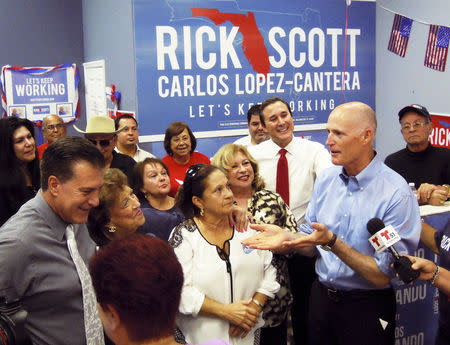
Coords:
274,335
302,274
351,317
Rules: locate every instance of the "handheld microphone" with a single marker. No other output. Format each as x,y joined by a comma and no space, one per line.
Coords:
383,237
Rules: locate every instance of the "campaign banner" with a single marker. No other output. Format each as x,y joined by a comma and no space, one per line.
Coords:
440,135
35,92
206,62
418,303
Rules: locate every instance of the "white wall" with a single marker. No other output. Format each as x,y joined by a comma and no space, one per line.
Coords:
403,81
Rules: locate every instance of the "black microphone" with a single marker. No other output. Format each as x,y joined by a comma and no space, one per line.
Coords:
402,264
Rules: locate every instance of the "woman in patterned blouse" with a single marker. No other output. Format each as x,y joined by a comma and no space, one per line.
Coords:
265,207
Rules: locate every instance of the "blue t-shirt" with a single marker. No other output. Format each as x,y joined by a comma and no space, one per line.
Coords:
159,222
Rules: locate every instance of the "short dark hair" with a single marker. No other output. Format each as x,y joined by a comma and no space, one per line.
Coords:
174,129
254,110
194,185
270,101
141,277
60,156
124,116
137,179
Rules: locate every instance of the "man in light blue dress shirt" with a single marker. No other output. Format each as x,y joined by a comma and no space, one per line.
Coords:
352,302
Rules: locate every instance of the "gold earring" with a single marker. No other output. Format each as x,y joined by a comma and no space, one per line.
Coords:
112,229
202,213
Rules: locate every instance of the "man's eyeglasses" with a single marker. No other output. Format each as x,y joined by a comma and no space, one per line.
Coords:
415,125
52,127
102,142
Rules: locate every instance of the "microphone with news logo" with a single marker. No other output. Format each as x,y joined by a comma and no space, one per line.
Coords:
384,237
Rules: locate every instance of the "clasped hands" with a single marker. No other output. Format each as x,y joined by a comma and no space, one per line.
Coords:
432,194
242,316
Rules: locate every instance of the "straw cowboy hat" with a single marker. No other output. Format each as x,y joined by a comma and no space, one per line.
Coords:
100,124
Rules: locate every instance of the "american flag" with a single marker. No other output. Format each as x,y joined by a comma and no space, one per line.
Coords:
437,47
401,29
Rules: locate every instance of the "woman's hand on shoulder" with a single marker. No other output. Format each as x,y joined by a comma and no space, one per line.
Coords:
240,218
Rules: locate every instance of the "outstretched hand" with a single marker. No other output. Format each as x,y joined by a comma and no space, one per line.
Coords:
320,235
271,237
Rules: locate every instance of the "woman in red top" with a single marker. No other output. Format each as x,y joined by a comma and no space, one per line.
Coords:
180,144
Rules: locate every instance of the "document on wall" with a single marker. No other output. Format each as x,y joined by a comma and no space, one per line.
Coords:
94,85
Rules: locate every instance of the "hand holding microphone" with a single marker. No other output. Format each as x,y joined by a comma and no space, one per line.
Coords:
383,237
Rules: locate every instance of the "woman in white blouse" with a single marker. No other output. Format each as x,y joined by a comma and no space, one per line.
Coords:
226,284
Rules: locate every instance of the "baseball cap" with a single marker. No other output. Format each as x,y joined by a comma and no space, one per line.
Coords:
416,108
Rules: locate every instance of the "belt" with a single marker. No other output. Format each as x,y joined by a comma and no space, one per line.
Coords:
347,295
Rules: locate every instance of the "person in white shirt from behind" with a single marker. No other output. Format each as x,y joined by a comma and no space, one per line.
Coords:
257,132
127,139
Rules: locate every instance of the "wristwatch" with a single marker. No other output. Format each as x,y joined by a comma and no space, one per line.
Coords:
330,244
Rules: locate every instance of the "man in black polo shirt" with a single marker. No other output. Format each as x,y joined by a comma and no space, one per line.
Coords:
427,166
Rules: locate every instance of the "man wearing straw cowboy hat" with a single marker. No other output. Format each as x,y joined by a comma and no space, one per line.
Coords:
101,131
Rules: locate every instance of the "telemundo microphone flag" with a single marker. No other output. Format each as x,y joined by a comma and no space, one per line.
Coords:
437,47
401,28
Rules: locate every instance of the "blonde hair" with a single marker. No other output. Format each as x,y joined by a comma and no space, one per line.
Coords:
225,157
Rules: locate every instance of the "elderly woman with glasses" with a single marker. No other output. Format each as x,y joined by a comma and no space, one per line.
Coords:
226,284
265,207
180,144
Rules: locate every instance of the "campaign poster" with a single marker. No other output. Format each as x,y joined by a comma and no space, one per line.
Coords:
440,135
35,92
206,62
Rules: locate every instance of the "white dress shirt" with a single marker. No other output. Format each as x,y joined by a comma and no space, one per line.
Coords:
140,154
244,141
306,159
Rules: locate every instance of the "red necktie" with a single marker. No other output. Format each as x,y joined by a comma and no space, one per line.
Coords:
283,177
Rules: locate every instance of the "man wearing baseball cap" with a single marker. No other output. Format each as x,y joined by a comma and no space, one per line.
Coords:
425,165
101,131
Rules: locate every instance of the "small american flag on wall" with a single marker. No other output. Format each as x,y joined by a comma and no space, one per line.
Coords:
401,28
437,47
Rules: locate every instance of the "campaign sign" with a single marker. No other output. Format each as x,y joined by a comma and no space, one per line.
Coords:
206,62
440,135
384,239
34,92
29,89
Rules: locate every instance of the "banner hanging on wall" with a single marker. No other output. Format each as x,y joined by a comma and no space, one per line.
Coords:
35,92
440,135
206,62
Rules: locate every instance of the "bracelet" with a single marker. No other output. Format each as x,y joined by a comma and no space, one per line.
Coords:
257,303
435,274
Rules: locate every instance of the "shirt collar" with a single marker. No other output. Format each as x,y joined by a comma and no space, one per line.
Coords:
53,220
276,148
365,176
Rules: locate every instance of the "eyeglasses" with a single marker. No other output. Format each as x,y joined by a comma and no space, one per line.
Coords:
102,142
52,127
194,169
415,125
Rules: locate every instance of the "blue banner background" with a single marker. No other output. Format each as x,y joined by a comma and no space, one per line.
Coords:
218,112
